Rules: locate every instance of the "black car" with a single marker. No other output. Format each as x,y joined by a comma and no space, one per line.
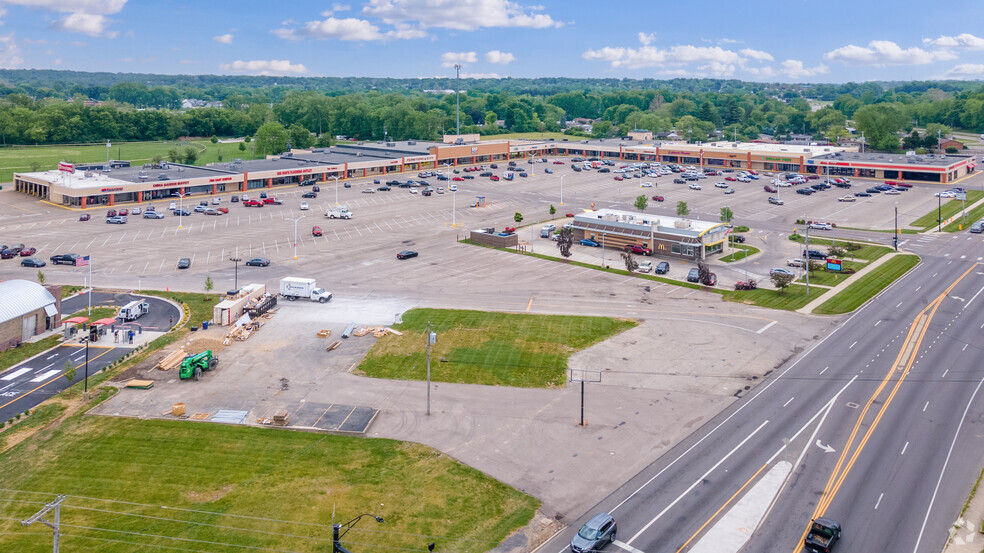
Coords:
604,170
523,174
679,181
184,263
873,191
494,166
384,188
316,188
862,194
814,254
64,258
311,194
258,262
393,182
7,253
595,534
32,262
181,212
662,268
308,182
804,191
406,254
693,275
738,238
234,199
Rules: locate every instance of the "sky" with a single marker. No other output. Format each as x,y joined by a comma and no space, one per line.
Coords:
830,41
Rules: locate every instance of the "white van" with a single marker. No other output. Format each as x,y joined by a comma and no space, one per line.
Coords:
133,310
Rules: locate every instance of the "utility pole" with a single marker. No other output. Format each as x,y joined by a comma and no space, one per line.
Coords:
895,242
457,99
807,256
431,339
55,526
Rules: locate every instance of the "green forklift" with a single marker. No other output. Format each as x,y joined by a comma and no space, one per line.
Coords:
194,365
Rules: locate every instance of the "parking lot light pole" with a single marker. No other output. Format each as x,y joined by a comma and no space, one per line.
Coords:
235,261
562,189
336,534
336,191
180,209
295,233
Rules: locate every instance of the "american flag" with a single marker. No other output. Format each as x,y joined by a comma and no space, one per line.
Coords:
81,261
67,167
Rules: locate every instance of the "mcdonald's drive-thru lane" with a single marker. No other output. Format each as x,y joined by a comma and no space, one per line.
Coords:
879,421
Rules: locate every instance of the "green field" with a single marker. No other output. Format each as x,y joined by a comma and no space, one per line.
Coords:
867,286
22,158
949,209
198,308
973,216
12,356
477,347
740,255
832,278
870,252
791,299
162,485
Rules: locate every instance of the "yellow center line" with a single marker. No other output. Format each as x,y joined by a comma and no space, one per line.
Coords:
726,503
22,396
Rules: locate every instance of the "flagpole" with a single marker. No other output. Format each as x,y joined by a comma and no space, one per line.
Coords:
90,286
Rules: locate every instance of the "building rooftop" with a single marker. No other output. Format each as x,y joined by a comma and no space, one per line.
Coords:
129,175
806,150
23,297
661,223
935,160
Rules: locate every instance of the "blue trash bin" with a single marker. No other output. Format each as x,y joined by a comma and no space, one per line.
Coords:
204,325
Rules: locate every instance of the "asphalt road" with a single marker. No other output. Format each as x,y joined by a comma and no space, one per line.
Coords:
27,384
883,418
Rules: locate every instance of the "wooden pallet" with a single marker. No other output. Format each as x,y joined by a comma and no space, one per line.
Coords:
140,384
324,333
172,360
333,345
199,416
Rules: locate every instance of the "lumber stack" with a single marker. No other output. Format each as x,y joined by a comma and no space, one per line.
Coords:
324,333
333,345
171,360
281,418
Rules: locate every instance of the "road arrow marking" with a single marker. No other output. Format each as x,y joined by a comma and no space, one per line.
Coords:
825,448
958,298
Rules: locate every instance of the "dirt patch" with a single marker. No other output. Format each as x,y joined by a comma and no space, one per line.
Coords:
198,345
209,497
531,536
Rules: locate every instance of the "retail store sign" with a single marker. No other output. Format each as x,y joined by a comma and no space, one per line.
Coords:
117,189
418,159
295,172
676,153
222,179
787,159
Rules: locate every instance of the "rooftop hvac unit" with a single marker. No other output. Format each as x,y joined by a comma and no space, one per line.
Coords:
162,176
681,223
87,174
390,144
411,142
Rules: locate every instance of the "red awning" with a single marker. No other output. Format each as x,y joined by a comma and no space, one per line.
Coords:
107,321
75,320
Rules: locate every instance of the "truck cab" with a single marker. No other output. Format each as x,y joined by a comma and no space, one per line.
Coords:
823,534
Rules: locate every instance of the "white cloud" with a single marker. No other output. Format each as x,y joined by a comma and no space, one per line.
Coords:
448,59
83,16
348,28
646,39
264,67
126,60
3,12
765,72
965,71
337,7
794,69
963,40
716,69
730,41
86,23
481,75
883,52
650,56
10,54
756,54
223,39
463,15
502,58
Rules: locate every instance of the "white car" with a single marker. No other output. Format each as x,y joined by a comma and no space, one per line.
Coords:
453,188
216,201
174,205
694,186
135,211
817,225
848,198
646,185
644,267
304,206
413,189
892,192
721,184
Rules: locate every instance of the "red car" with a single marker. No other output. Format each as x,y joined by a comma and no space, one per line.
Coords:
619,178
569,215
459,179
637,249
732,179
28,252
904,185
252,203
510,229
111,213
222,209
752,172
85,217
558,163
316,231
494,177
770,189
657,198
891,183
124,212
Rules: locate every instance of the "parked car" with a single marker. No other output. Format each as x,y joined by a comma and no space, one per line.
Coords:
848,198
311,194
862,194
316,231
739,238
775,201
406,254
64,258
184,212
693,275
694,186
222,209
200,209
638,249
123,212
814,254
111,213
135,211
595,534
184,263
118,220
662,268
658,198
644,267
234,199
781,271
32,262
258,262
212,211
85,217
818,225
797,262
590,242
153,215
304,206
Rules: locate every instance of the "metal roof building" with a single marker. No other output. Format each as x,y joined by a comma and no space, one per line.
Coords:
27,309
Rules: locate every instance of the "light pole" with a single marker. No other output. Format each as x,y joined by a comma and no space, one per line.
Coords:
562,188
108,146
235,261
336,536
85,380
457,99
454,213
180,209
295,233
336,191
431,339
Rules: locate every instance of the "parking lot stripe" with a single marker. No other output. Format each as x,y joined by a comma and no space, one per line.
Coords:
15,374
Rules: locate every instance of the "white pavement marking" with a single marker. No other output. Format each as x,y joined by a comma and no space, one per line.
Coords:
766,327
973,298
15,374
697,482
906,446
877,503
788,401
626,547
46,375
878,323
925,406
852,345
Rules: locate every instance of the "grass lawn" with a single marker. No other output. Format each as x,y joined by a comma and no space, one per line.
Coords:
950,208
21,159
505,349
199,310
202,472
870,252
69,290
973,216
739,255
533,136
791,299
12,356
833,278
867,286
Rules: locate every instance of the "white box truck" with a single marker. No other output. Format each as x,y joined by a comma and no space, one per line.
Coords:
133,310
338,213
295,287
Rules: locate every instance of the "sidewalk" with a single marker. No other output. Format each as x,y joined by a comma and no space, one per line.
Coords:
808,308
964,535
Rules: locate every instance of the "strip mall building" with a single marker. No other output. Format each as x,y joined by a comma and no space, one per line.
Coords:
115,183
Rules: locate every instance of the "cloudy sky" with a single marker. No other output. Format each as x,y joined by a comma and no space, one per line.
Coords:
759,40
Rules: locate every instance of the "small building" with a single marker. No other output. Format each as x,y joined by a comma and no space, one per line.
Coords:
943,144
667,236
640,134
28,309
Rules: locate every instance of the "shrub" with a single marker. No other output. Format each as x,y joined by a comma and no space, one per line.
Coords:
800,221
741,228
852,247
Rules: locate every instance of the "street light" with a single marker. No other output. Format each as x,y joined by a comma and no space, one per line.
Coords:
457,99
336,536
562,188
295,233
236,261
180,208
336,190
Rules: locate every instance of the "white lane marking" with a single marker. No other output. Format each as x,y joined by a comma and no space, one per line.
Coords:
899,305
945,463
46,375
974,298
925,406
824,369
15,374
906,446
965,347
766,327
917,289
52,356
878,323
877,503
48,366
944,373
788,402
697,482
627,547
852,345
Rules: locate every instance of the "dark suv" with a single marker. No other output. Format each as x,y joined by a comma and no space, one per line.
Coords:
814,254
693,275
64,259
595,534
662,268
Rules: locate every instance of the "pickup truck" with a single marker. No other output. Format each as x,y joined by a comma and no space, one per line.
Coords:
823,534
637,249
253,203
